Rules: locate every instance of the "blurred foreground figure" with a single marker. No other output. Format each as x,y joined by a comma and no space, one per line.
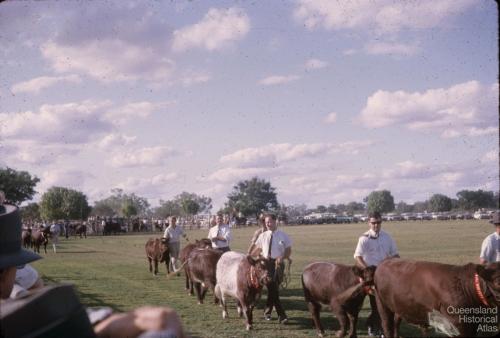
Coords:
56,311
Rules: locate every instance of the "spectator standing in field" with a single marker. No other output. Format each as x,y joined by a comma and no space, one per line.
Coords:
262,227
274,245
490,249
373,247
173,234
220,234
55,230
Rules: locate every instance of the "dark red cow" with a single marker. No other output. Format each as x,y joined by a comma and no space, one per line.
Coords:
204,243
240,277
417,290
81,230
201,265
342,287
157,251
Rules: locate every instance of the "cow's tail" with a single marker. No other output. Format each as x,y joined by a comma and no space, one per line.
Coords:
178,270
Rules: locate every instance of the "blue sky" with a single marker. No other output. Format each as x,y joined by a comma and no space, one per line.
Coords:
329,100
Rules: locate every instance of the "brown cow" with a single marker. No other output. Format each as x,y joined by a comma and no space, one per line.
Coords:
201,265
40,237
26,238
327,283
204,243
417,290
241,277
157,251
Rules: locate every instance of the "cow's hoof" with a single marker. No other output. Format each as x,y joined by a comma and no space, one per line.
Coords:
340,334
321,334
249,327
224,314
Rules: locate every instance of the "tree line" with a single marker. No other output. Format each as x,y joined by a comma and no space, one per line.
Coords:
248,198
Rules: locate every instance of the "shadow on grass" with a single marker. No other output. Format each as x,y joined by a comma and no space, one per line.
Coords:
77,252
86,298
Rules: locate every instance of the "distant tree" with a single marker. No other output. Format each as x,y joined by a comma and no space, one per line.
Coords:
473,200
118,200
332,208
63,203
381,201
190,207
30,212
192,201
403,207
129,209
355,208
167,209
420,206
439,202
321,209
252,196
102,209
18,186
296,210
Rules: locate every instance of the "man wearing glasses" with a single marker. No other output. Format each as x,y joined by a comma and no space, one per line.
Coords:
373,247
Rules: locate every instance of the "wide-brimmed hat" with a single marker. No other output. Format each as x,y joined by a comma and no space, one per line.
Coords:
11,253
495,218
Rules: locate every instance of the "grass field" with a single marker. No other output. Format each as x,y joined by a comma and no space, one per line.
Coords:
112,271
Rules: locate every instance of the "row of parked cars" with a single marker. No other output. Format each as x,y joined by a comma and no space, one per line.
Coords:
421,216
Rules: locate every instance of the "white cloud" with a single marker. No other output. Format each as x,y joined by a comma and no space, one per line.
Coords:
122,114
61,123
276,154
491,156
278,80
63,177
110,60
392,48
37,84
230,175
217,29
350,51
74,122
148,156
147,185
410,170
463,109
331,118
313,64
112,141
380,15
191,78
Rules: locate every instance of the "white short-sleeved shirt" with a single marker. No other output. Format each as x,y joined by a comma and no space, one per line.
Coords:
375,250
223,231
490,250
281,241
174,234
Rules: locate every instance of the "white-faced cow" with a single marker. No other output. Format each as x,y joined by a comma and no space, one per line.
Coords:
241,277
342,287
413,290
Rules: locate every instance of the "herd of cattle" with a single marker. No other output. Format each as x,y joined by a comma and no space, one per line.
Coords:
34,238
421,293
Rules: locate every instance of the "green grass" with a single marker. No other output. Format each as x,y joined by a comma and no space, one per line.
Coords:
112,271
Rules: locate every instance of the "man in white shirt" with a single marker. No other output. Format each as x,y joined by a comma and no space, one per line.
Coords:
220,235
373,247
55,230
173,234
490,249
275,245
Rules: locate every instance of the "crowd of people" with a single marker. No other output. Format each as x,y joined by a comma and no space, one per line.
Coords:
18,279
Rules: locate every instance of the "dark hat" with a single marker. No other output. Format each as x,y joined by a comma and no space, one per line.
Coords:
11,253
495,218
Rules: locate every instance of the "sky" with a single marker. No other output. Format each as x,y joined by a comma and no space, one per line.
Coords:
327,100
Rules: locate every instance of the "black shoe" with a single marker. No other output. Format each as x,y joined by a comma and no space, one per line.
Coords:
283,320
267,317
